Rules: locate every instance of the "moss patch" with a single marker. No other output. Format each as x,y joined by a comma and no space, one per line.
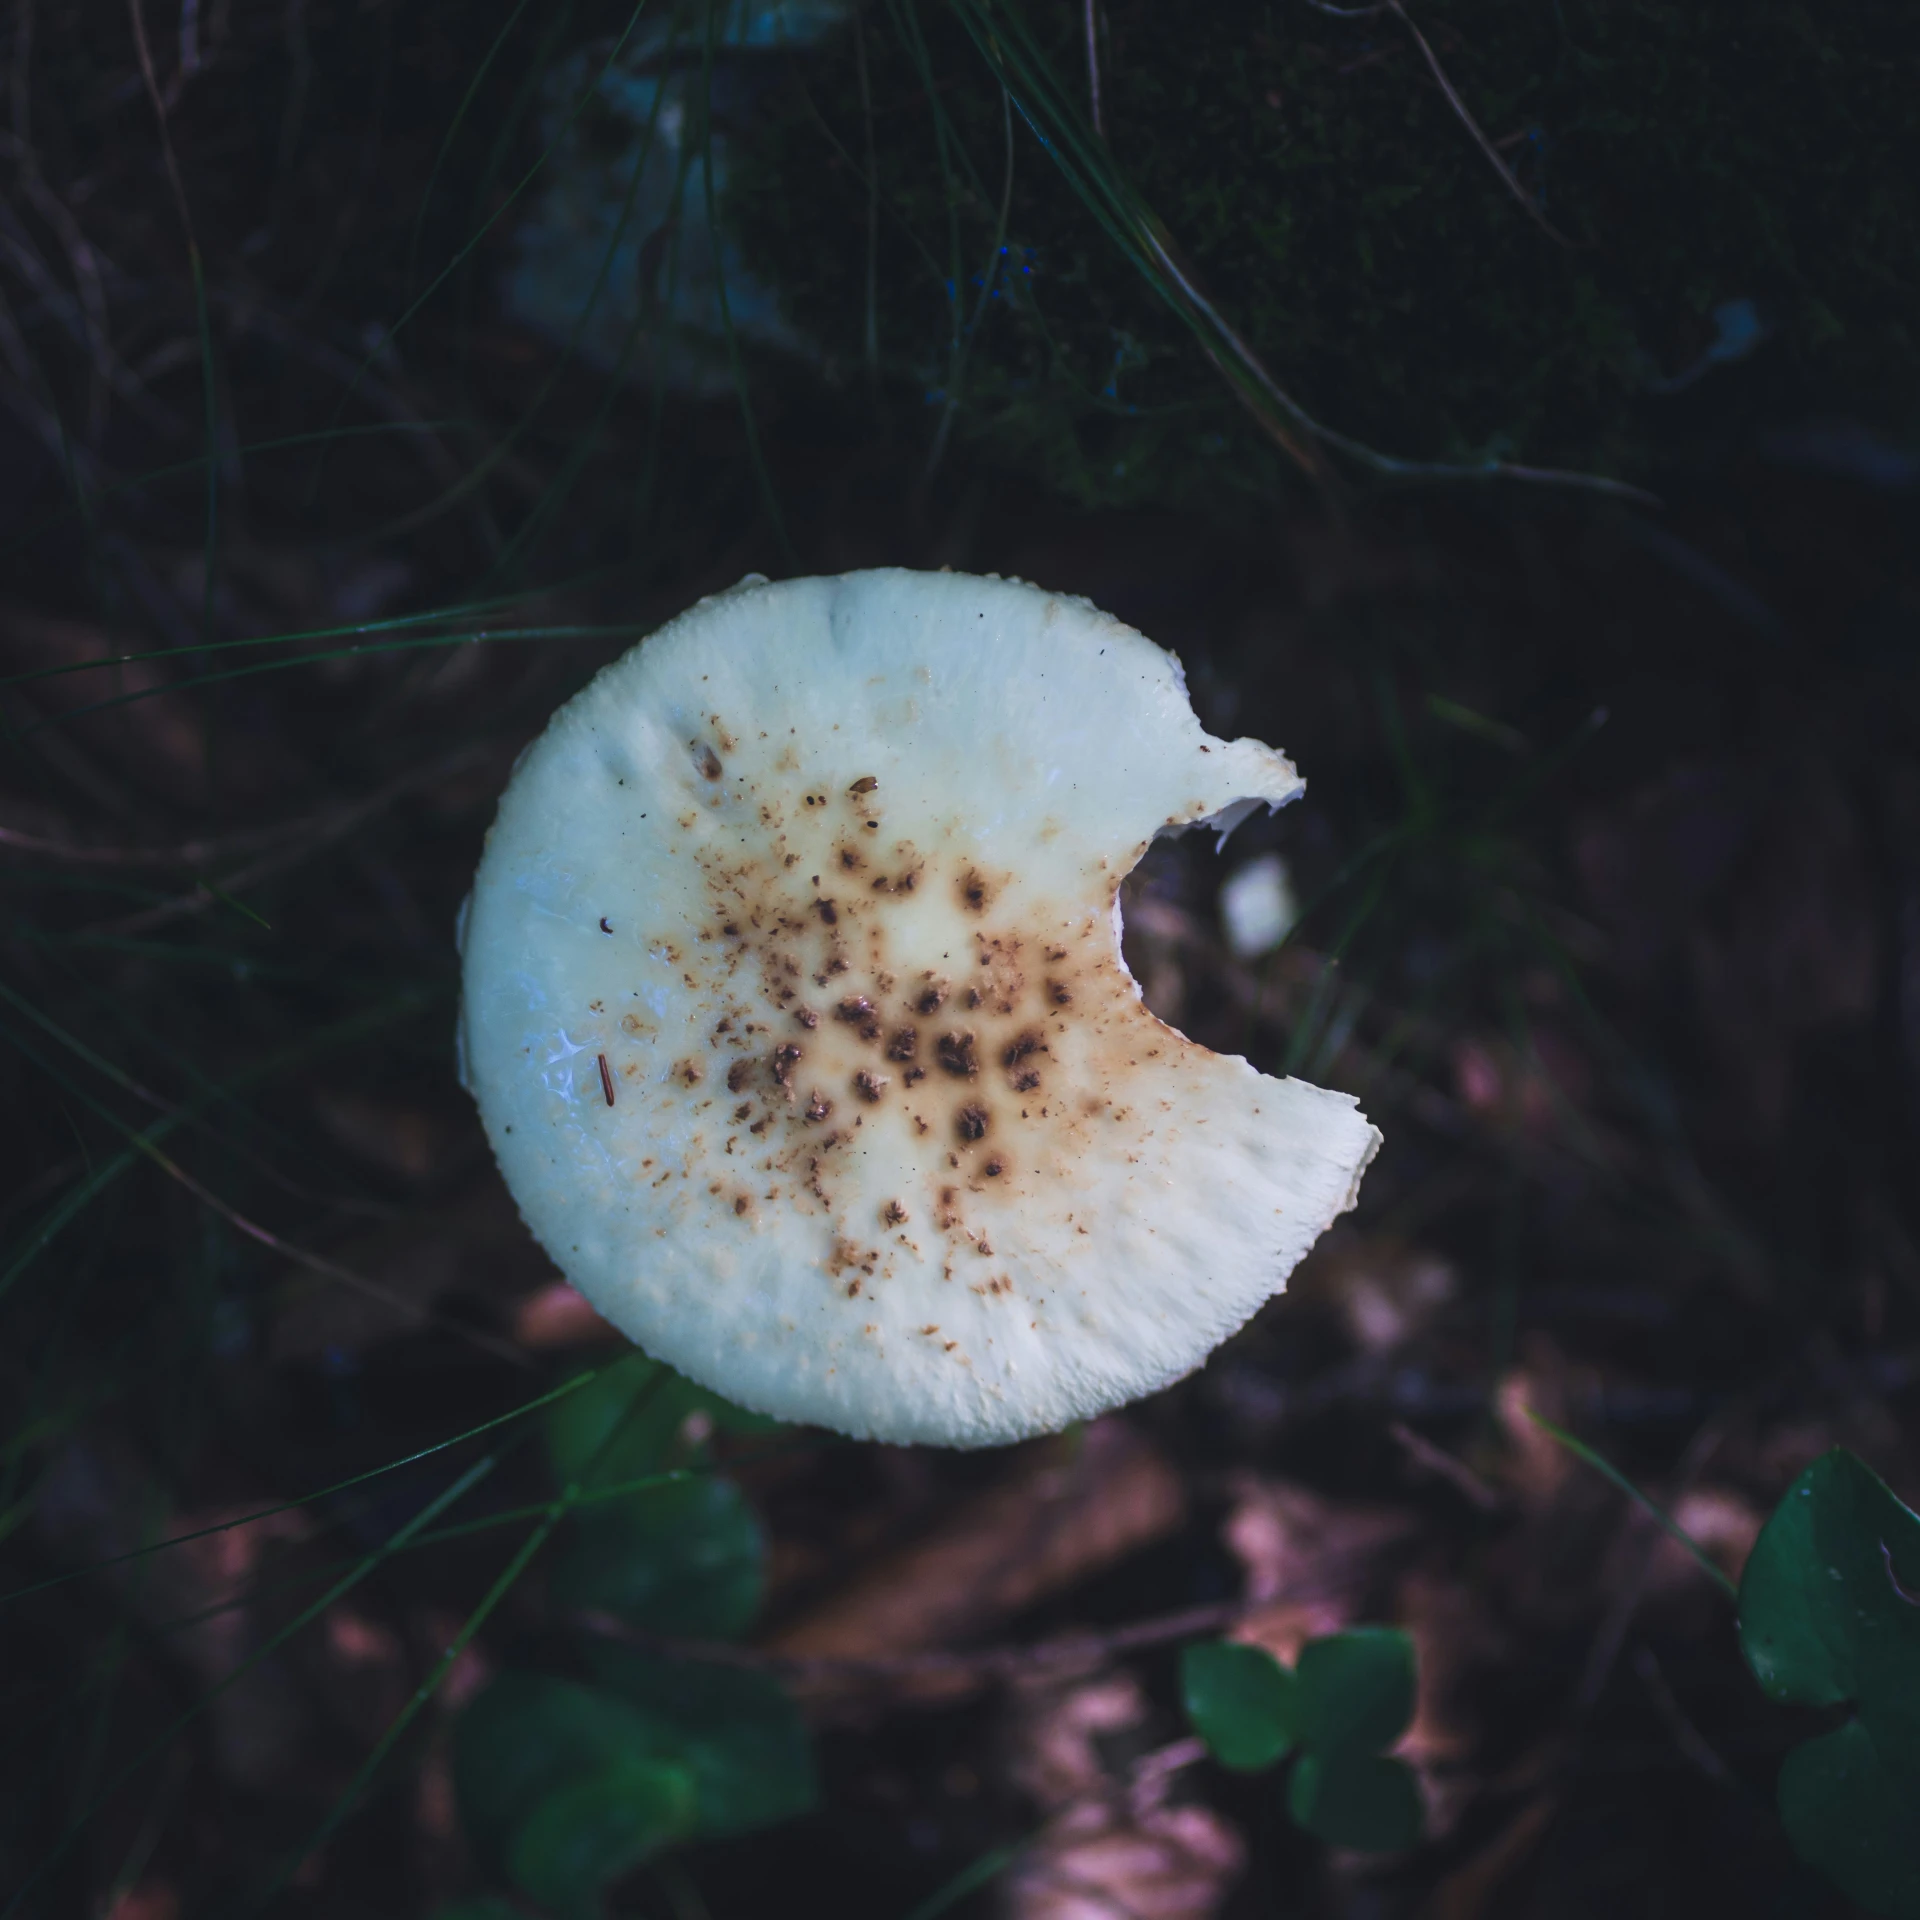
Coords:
1341,216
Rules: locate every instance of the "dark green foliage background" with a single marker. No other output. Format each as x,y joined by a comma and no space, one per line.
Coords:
1340,215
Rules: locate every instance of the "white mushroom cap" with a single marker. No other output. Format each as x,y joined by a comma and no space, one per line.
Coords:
795,1010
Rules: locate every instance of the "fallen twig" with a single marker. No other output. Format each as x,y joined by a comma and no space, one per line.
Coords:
1083,1649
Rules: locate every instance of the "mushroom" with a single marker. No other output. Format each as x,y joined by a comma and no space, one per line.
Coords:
858,1117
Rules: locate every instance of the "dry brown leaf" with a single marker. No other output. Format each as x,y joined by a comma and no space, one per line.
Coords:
1058,1731
1287,1537
1523,1090
1071,1508
97,1504
1722,1522
1382,1291
148,1900
1534,1465
362,1669
558,1316
1114,1847
1172,1863
1309,1556
1469,1890
1455,1644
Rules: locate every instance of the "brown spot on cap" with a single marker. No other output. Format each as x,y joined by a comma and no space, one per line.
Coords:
738,1075
957,1054
709,764
868,1086
785,1059
857,1011
827,912
974,890
893,1214
970,1123
865,784
933,996
1030,1042
904,1044
819,1107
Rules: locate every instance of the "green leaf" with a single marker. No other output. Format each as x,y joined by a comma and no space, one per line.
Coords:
648,1403
542,1769
1347,1798
1828,1616
598,1826
683,1558
1854,1818
1240,1700
739,1734
1822,1614
1354,1691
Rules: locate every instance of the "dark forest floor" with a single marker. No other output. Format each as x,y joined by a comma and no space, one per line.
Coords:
1610,874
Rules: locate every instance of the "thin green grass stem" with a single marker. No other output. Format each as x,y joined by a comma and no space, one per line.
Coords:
340,1033
970,1879
1658,1514
555,1511
308,1499
452,133
486,226
162,1741
763,479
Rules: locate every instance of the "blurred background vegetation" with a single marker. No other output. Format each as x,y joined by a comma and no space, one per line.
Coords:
1510,411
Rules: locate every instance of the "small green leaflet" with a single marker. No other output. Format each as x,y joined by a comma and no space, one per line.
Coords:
1830,1616
1350,1697
1240,1700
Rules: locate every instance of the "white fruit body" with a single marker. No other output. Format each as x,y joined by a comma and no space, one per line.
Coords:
825,873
